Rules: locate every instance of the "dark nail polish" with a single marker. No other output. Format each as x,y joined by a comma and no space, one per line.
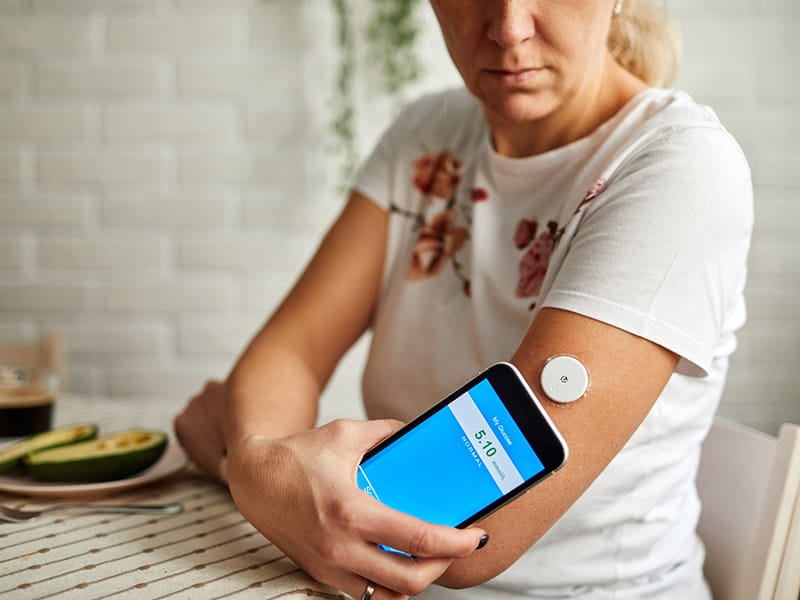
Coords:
483,541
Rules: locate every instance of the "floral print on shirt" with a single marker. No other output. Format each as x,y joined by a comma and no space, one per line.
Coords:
539,249
439,239
533,264
444,225
437,175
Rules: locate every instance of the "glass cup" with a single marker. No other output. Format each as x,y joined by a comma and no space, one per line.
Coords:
26,400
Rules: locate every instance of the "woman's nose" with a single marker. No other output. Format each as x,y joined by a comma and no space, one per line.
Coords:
511,22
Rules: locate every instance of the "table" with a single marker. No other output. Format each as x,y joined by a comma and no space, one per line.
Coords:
208,551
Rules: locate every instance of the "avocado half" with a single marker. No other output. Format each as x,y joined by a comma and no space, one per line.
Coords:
13,455
112,457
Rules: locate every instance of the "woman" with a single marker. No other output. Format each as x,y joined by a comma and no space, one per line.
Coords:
558,205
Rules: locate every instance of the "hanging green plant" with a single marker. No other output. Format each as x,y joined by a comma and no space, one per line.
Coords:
343,122
391,32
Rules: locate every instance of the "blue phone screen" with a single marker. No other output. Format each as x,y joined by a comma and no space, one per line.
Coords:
461,459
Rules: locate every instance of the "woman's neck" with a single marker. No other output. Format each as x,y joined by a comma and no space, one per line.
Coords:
585,111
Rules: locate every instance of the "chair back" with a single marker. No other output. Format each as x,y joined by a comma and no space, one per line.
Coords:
777,540
748,484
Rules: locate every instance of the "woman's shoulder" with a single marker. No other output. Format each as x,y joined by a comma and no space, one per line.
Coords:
662,114
674,104
669,127
675,158
456,100
445,118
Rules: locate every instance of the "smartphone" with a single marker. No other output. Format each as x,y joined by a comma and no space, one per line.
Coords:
464,458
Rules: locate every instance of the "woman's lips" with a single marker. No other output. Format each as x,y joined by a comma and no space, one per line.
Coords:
515,76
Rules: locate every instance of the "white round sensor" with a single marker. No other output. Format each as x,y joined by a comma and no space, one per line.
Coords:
564,379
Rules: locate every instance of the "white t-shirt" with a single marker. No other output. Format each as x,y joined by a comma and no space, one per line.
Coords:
643,224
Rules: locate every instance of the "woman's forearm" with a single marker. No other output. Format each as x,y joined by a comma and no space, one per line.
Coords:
272,391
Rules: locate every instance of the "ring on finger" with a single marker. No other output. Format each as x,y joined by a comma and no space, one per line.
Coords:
368,591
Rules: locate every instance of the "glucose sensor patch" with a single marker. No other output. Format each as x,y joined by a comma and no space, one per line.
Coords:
564,379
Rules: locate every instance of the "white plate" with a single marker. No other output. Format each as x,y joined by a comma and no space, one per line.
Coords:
170,462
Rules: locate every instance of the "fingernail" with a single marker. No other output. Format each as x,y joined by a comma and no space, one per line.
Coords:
483,541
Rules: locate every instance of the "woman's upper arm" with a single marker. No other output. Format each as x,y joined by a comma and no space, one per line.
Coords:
652,277
326,311
331,304
627,374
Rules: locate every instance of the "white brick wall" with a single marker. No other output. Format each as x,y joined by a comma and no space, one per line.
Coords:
47,33
12,167
43,211
164,172
738,59
107,79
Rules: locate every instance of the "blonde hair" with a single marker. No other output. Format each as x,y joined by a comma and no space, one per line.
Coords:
644,40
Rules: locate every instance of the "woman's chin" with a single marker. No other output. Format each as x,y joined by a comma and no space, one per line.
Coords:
519,107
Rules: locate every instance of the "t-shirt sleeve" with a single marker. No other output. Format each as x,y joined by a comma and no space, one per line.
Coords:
662,251
375,177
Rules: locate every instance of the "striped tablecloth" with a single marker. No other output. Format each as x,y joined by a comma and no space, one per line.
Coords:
207,551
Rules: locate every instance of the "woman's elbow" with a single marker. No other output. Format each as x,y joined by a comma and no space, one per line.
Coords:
467,573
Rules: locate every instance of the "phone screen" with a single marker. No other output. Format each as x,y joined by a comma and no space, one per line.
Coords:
454,463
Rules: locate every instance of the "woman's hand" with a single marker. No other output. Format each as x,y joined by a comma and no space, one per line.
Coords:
199,430
301,493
